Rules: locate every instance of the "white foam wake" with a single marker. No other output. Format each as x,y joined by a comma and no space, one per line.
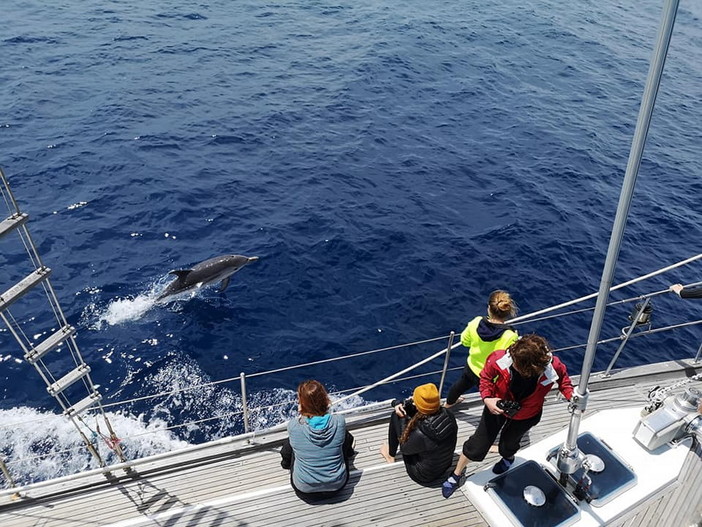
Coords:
120,310
42,445
127,309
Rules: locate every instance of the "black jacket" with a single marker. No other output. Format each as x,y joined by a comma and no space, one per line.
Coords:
691,292
428,452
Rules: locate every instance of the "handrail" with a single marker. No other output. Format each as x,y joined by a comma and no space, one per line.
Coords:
515,321
268,372
396,377
355,391
610,304
353,355
614,288
393,376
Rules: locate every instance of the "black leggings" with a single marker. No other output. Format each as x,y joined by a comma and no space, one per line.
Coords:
288,461
397,426
466,382
478,445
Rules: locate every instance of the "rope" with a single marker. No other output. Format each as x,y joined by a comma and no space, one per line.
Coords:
661,393
72,346
16,328
362,389
657,395
9,195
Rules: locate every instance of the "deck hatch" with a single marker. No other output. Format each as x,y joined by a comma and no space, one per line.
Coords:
507,490
606,485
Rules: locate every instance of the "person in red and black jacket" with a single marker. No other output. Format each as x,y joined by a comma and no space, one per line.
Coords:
522,374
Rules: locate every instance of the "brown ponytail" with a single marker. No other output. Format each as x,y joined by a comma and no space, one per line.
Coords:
411,426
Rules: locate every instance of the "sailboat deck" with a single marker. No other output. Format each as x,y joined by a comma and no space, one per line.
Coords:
242,483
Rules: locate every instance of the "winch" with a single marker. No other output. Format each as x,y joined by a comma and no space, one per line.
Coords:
679,416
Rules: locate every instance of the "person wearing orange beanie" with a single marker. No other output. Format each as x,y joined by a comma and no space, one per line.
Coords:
424,432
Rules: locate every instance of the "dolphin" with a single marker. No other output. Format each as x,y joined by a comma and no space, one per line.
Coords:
206,273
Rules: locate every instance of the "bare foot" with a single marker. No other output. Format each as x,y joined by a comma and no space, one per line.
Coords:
458,401
385,452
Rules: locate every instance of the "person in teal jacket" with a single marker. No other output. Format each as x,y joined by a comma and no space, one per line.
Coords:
482,336
319,448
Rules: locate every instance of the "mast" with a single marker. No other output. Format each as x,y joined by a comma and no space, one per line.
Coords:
569,456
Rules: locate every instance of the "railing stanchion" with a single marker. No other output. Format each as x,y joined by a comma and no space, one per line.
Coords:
629,331
699,354
446,361
6,473
244,406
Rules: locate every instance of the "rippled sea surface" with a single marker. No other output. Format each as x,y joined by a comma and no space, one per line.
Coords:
389,163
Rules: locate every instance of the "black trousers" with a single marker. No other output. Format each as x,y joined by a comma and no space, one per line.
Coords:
467,380
478,445
288,461
397,426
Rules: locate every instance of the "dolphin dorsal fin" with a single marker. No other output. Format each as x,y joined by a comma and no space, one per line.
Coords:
181,273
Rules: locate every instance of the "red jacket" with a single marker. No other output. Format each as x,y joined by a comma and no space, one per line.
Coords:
495,377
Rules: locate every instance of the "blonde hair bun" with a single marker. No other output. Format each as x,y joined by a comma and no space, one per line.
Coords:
501,305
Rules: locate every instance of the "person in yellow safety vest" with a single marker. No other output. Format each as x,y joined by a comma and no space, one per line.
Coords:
482,336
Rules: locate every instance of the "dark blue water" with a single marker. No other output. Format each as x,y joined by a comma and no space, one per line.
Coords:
390,164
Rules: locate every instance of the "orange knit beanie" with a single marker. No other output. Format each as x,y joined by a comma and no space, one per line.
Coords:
426,398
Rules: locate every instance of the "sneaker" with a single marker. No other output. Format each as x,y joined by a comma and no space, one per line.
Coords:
502,465
449,486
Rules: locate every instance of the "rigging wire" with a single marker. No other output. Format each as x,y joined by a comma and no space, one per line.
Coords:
614,288
610,304
268,372
26,344
350,390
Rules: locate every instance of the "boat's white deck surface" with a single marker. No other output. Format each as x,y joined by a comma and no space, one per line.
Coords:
244,485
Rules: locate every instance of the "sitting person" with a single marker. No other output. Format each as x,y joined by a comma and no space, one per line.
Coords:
686,292
524,374
482,336
425,432
319,446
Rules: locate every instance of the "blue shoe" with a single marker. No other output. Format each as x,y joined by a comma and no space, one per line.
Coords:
502,466
450,485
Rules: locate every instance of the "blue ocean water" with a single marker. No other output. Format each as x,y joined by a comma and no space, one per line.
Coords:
390,164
